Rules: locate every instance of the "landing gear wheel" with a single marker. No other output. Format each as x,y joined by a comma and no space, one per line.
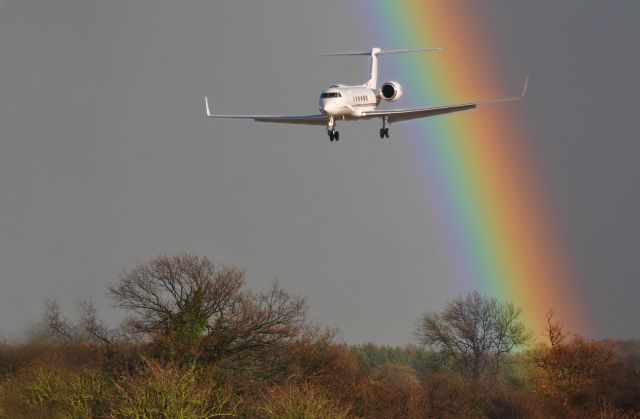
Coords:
384,131
331,130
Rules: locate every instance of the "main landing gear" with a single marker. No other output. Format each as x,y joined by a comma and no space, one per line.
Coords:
331,131
384,131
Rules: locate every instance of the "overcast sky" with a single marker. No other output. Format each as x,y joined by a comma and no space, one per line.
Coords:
106,159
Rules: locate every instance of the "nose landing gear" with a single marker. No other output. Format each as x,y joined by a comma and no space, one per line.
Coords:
331,131
384,131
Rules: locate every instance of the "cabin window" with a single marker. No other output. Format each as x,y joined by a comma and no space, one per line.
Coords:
327,95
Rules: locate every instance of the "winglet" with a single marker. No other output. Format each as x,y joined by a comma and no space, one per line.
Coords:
206,106
509,99
524,89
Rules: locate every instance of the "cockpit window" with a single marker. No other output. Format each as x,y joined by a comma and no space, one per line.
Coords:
330,94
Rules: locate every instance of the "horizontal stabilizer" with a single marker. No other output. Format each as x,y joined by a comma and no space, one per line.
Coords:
378,51
402,51
374,53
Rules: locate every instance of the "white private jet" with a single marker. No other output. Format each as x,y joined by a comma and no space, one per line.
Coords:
350,103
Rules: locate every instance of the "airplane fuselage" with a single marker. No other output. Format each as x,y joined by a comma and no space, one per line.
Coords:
348,102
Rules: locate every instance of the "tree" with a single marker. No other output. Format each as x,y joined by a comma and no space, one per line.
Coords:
88,328
473,331
189,302
567,369
55,325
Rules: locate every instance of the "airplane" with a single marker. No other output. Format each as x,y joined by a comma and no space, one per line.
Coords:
349,103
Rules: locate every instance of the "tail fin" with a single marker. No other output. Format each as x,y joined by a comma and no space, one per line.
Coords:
373,75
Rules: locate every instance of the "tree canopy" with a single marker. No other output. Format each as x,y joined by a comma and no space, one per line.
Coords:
474,331
191,302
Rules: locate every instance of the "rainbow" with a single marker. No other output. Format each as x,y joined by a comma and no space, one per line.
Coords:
477,174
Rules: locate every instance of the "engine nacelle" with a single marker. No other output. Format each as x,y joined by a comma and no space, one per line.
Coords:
391,91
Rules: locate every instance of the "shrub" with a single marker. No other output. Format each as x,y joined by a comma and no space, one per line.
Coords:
44,389
304,401
2,413
393,391
88,394
167,391
60,393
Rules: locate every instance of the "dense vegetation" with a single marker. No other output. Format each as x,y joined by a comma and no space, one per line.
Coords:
196,343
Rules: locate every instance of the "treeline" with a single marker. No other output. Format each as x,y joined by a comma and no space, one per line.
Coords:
196,343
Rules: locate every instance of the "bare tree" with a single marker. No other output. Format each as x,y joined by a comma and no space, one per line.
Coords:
190,301
55,324
88,327
170,295
474,331
91,328
257,321
509,332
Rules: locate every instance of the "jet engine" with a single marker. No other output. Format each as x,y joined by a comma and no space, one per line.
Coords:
391,91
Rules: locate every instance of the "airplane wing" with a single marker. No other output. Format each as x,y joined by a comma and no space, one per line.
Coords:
408,114
315,119
415,113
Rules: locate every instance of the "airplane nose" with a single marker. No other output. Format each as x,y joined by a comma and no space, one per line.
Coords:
327,107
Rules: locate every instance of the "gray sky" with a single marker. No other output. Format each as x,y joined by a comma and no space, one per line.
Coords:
106,159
